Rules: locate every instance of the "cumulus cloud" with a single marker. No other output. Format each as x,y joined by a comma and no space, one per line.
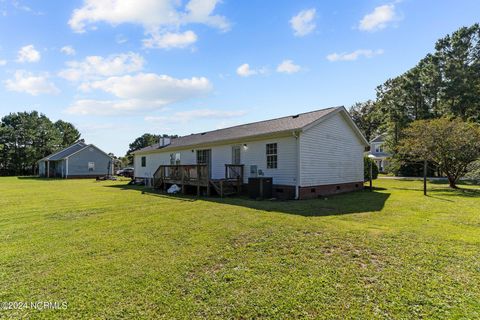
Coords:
68,50
287,66
28,54
89,107
245,71
150,86
159,18
379,18
170,40
93,67
27,82
304,22
367,53
144,91
185,116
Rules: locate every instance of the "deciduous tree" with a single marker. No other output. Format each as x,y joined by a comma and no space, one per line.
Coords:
451,144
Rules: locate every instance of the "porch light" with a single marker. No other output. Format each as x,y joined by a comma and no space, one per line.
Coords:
245,147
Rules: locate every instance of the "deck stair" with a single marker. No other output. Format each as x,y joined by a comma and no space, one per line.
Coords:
226,187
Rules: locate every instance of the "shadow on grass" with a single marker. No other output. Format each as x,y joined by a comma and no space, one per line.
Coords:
348,203
35,178
446,191
459,192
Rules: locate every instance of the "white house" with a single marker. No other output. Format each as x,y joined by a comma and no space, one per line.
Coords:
306,155
378,153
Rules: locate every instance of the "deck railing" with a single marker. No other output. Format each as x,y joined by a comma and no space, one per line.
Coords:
198,175
234,171
181,174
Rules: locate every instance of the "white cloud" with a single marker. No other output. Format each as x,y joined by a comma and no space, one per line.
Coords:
245,71
287,66
68,50
150,86
27,82
186,116
379,18
28,54
85,107
93,67
304,22
3,62
171,40
367,53
158,17
141,92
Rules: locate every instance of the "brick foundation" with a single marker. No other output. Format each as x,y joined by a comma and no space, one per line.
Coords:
329,189
283,192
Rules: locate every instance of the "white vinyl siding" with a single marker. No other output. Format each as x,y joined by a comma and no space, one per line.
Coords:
330,153
251,154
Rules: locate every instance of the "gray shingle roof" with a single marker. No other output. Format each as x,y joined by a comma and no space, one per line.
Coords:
294,122
62,154
380,138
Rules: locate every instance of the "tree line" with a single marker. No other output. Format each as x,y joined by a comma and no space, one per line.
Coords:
26,137
444,84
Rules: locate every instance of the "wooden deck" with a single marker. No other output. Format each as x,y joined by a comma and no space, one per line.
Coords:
198,175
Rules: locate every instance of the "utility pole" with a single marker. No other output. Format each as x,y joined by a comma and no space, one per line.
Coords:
424,177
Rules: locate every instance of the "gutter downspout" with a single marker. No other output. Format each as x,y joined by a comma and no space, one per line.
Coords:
296,134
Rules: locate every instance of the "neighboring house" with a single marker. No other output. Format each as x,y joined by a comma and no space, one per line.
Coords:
380,156
306,155
80,160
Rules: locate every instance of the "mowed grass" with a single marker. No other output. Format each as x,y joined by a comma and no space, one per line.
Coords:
113,252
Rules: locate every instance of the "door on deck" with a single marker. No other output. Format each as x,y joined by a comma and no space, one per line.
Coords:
236,155
205,157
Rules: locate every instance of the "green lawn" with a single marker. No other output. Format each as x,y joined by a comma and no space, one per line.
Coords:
111,251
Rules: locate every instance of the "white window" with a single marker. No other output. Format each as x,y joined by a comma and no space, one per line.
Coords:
379,148
272,158
91,166
175,158
203,156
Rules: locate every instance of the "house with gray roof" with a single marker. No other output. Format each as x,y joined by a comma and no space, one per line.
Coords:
306,155
80,160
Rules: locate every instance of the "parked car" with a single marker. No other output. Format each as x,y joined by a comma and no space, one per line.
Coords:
125,172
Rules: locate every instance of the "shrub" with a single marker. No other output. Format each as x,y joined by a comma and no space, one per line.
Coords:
366,169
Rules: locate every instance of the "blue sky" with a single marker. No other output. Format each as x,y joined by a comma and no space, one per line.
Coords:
119,68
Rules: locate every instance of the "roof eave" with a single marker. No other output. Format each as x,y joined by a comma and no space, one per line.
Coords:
283,133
